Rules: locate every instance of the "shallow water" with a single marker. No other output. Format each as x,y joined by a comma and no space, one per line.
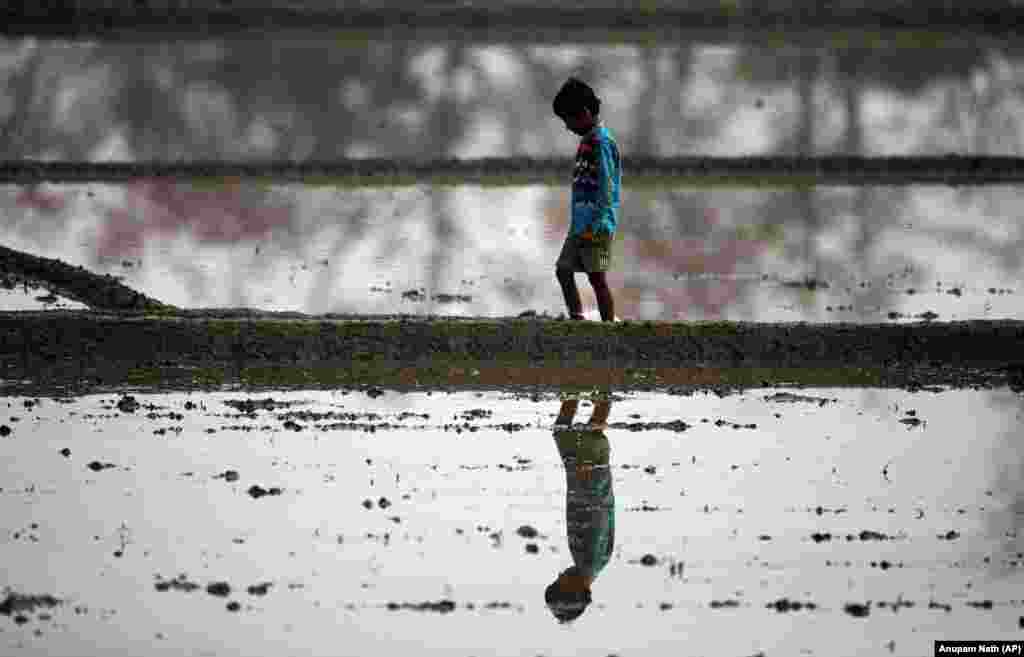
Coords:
904,506
688,254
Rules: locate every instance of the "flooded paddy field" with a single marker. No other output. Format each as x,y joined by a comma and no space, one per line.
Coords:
769,521
340,415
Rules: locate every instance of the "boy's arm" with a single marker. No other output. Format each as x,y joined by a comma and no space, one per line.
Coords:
605,178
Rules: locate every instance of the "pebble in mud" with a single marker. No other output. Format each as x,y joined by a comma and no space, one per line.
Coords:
96,466
65,452
4,431
649,560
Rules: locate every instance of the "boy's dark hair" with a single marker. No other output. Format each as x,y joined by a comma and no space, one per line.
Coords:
573,97
566,607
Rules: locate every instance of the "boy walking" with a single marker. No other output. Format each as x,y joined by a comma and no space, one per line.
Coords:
594,207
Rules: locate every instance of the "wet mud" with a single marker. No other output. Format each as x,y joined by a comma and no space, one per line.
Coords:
90,349
18,268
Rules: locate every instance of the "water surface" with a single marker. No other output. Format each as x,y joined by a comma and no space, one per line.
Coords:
774,521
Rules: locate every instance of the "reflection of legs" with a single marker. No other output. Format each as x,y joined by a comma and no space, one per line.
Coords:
570,292
567,412
600,415
605,303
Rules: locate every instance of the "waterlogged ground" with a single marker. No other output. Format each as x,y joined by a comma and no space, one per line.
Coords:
772,522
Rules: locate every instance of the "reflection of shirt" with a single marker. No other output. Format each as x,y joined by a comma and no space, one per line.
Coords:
589,504
596,180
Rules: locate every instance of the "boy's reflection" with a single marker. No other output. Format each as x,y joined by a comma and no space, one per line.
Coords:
590,507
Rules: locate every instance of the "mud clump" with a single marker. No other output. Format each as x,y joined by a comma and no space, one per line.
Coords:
526,531
258,589
104,292
179,583
783,605
857,610
721,604
441,606
4,431
128,404
220,589
17,603
228,475
791,398
250,406
256,491
96,466
897,605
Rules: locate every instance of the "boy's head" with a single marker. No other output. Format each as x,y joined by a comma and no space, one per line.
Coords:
577,105
566,597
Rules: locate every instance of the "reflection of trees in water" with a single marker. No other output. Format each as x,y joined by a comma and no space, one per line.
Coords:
1005,525
253,98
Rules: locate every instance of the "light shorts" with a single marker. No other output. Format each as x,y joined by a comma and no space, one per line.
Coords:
583,255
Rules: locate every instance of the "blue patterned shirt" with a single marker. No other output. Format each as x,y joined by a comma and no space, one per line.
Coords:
596,181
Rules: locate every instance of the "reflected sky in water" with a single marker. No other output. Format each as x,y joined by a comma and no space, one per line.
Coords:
832,254
379,523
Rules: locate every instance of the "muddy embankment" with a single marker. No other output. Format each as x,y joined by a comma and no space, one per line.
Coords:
129,339
106,292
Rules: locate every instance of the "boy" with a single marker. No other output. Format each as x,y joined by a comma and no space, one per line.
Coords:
595,199
589,508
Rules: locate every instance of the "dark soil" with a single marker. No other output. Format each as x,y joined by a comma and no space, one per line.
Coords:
199,348
76,283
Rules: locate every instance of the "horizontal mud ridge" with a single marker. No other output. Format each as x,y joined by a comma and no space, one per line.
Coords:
292,348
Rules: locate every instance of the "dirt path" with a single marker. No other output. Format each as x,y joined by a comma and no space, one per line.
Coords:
214,347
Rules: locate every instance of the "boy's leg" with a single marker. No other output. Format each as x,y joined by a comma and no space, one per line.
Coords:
571,293
605,303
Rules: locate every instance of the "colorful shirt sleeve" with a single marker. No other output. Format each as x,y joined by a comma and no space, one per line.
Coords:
608,184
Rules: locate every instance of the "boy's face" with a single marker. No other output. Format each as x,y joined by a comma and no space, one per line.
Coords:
580,123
